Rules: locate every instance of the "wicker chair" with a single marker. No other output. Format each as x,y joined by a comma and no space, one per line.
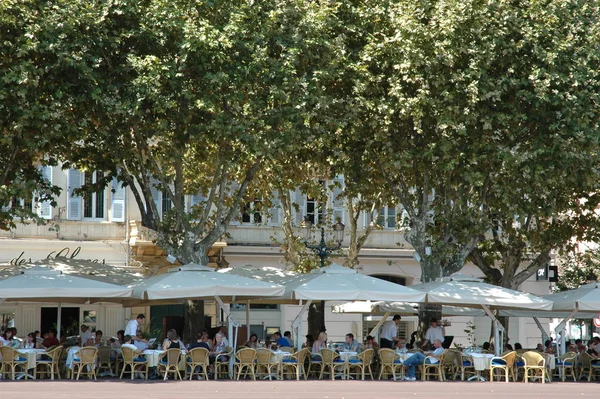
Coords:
222,362
197,359
265,362
11,361
245,359
295,365
565,365
287,349
450,364
465,366
84,362
315,365
50,364
534,363
132,359
429,369
331,361
389,362
104,360
361,362
506,362
584,365
171,364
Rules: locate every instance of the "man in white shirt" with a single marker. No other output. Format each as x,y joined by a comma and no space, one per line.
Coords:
132,327
417,359
86,338
434,332
389,333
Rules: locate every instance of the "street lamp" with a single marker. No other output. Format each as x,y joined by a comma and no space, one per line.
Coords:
321,249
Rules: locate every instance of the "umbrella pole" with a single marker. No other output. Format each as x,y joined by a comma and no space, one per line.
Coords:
560,329
231,323
297,325
59,317
498,331
248,319
375,331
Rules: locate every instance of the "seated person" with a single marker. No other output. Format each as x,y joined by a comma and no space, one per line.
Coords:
548,348
218,349
539,348
252,342
401,345
309,342
85,335
98,338
199,343
51,339
320,343
351,345
371,344
129,343
206,339
279,340
418,358
288,336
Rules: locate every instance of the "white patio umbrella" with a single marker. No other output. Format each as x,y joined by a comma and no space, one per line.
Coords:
586,299
193,281
41,283
401,308
461,290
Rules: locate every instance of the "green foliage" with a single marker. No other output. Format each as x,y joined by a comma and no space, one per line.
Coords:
578,268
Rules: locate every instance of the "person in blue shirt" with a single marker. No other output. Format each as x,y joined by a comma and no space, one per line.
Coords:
279,340
351,345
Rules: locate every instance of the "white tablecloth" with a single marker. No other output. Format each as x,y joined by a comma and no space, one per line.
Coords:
346,355
31,355
404,356
481,361
154,356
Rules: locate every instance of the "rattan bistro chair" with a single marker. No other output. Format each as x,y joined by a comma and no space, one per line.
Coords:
430,369
50,364
534,364
362,363
294,365
331,362
245,360
506,362
133,359
265,363
171,364
84,362
197,363
11,361
565,366
389,363
222,362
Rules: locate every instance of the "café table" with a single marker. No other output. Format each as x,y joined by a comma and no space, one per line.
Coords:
279,355
481,362
31,355
345,356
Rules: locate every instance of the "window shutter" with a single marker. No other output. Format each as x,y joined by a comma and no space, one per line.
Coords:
337,201
275,210
117,201
156,196
44,209
299,200
236,220
74,203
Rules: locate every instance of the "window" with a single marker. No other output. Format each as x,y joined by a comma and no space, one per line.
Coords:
392,279
252,212
166,203
89,319
387,217
91,206
93,203
254,306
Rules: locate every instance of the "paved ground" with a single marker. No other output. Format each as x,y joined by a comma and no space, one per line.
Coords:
114,389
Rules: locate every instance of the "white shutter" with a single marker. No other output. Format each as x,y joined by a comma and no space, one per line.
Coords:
299,199
367,217
117,201
337,201
74,203
275,210
44,209
156,195
237,217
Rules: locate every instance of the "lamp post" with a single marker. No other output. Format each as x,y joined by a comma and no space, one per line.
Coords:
321,249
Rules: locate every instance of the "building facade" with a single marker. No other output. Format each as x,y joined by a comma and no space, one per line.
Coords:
105,227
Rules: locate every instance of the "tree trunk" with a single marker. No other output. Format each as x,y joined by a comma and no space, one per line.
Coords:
316,319
193,320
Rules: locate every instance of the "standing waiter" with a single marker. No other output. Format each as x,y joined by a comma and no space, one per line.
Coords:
389,333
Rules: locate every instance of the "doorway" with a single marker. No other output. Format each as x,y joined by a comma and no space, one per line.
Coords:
69,321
